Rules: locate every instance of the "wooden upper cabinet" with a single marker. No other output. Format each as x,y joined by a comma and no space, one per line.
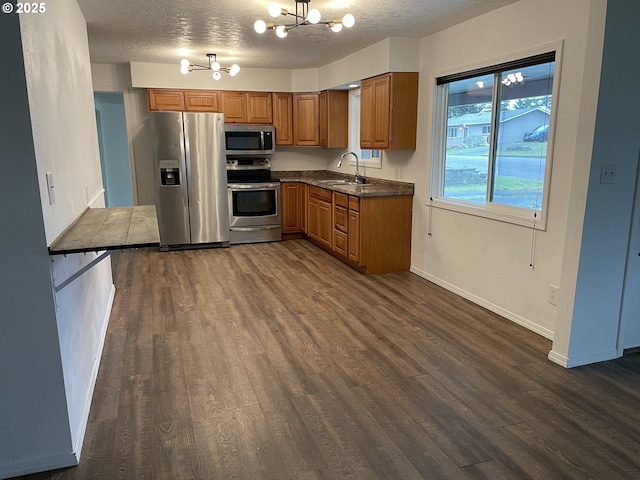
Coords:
163,99
306,115
283,118
201,101
334,119
321,119
234,106
389,111
246,107
259,108
366,114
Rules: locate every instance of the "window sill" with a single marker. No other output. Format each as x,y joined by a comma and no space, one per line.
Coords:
506,214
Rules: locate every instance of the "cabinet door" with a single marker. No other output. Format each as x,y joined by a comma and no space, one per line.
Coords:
324,223
234,106
291,208
381,111
283,118
259,107
354,236
366,114
323,122
306,120
334,119
313,218
319,226
201,101
162,99
354,229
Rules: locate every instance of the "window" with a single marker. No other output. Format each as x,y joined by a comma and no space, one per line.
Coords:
492,157
368,158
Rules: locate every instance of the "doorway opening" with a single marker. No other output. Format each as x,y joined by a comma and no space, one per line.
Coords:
114,149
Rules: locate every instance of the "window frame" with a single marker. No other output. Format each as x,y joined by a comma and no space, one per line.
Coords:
354,134
515,215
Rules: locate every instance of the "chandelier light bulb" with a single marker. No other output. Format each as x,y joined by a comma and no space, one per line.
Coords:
348,20
184,69
336,27
275,10
215,66
281,31
313,16
260,26
185,63
233,71
216,75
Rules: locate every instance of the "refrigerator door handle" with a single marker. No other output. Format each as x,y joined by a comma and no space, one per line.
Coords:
184,147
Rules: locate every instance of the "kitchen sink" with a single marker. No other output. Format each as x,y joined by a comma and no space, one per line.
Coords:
335,181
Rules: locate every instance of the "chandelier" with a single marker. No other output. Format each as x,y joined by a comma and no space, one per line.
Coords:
186,67
303,17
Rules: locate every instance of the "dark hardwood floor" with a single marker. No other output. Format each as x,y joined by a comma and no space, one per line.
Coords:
276,361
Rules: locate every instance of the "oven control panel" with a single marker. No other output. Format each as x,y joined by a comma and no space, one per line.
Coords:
248,164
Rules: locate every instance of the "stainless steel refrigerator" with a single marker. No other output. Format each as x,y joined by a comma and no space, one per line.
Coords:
191,179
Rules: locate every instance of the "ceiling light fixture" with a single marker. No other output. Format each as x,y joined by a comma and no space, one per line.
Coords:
513,79
186,67
303,17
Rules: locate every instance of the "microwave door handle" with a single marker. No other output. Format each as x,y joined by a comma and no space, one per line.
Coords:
262,140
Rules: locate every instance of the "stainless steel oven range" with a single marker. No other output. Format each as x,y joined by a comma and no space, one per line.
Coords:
254,201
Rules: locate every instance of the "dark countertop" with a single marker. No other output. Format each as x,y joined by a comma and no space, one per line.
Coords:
373,187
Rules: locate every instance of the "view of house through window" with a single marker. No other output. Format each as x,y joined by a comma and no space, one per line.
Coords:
494,144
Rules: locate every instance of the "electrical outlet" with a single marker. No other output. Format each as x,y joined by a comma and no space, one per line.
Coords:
400,174
608,174
553,294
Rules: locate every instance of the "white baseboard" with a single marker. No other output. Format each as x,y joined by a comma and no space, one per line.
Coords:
78,438
40,464
528,324
584,359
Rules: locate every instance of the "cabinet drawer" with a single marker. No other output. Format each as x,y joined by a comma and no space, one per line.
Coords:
354,204
320,194
340,218
341,199
340,242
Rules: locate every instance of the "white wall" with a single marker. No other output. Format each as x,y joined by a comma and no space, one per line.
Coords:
67,331
33,421
391,54
485,260
603,248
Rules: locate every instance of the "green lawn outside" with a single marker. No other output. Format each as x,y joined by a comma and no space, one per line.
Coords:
517,149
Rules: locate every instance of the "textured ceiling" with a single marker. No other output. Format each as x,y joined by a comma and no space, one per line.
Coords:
164,31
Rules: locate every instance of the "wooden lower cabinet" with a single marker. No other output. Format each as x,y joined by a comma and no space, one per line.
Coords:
292,207
385,233
372,234
319,225
353,250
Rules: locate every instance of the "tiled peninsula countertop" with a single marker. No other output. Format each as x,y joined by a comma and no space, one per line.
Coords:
373,187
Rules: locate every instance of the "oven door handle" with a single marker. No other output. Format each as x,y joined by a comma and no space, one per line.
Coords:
253,186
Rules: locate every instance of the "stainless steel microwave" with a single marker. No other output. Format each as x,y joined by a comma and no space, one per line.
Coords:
249,139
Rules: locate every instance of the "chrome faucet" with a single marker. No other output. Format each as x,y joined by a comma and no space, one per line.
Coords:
359,179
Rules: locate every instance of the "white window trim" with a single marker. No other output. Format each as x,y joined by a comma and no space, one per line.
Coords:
354,134
536,219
